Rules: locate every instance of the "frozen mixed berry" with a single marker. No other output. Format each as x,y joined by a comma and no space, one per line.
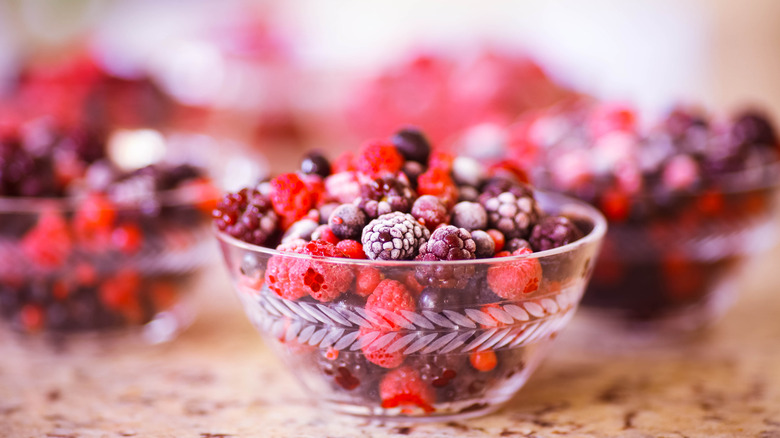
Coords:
512,280
315,163
347,221
412,171
511,207
753,128
467,171
302,229
247,215
437,299
486,246
412,144
553,232
513,245
324,232
390,296
49,244
437,182
386,194
469,215
290,197
343,187
366,280
404,388
381,355
352,249
324,281
429,211
379,157
393,236
447,243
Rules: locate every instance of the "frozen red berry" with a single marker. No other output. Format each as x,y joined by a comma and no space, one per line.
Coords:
379,157
291,197
390,296
429,211
366,280
380,354
437,182
48,244
514,279
352,249
404,388
324,232
324,280
483,361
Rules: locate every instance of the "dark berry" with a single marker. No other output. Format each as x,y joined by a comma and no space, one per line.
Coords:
437,299
511,207
347,221
248,216
552,232
429,211
486,246
412,144
393,236
753,128
469,215
315,163
386,194
447,243
514,244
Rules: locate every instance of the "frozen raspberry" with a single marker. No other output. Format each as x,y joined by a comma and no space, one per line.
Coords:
514,244
293,245
486,246
367,280
393,236
315,163
379,157
552,232
390,296
352,249
277,277
469,215
290,197
343,187
316,186
324,280
248,216
437,182
429,211
512,280
403,387
511,207
379,355
412,144
447,243
442,161
347,221
386,194
344,163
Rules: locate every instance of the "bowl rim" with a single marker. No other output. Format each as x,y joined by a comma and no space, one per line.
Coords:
588,211
184,195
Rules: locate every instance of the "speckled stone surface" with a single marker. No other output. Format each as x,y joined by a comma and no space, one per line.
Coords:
218,380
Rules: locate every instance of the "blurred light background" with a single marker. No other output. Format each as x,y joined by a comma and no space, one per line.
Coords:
276,70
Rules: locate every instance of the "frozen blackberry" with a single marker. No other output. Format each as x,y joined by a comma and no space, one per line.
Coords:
552,232
386,194
511,207
347,221
393,236
752,128
514,244
315,163
486,246
469,215
412,144
447,243
429,211
248,216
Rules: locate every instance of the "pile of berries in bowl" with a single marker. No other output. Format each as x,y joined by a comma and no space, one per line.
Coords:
400,284
688,200
87,246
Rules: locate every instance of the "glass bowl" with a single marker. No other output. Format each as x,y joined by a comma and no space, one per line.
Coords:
461,352
675,268
82,265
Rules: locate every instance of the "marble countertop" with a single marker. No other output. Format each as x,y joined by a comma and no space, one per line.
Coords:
219,380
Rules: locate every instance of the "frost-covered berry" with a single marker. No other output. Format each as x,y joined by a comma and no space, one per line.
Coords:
386,194
429,211
248,216
347,221
447,243
552,232
393,236
511,207
514,244
486,246
412,144
302,229
469,215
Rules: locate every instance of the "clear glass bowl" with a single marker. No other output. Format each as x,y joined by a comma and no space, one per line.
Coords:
68,266
467,349
676,269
